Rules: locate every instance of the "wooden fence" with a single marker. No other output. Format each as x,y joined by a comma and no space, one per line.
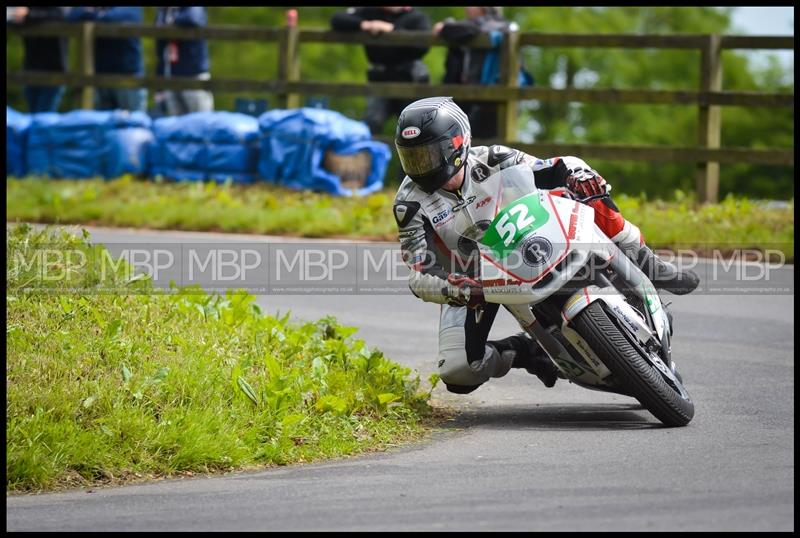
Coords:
709,97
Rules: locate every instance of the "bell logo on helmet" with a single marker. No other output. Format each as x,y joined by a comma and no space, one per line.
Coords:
411,132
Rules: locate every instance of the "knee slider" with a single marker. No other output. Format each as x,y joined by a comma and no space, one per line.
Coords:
455,368
460,389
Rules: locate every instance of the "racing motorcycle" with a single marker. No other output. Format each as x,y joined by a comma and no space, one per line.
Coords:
594,312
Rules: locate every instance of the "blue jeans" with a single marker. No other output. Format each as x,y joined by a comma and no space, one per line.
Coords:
134,100
43,98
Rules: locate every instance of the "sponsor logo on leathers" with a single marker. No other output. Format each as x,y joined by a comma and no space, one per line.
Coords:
440,217
483,202
479,172
463,203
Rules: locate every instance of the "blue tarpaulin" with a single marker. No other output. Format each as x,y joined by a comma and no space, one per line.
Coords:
88,143
294,144
301,149
206,146
17,125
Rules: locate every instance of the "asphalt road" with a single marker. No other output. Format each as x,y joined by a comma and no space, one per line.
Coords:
519,456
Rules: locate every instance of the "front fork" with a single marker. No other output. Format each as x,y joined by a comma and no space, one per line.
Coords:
554,349
636,280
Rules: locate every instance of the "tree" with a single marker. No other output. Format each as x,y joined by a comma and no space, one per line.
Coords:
653,69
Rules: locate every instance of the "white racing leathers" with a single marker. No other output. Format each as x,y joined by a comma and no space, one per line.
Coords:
432,248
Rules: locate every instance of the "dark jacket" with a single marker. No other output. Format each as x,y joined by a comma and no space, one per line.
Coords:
465,65
400,59
45,53
114,55
192,53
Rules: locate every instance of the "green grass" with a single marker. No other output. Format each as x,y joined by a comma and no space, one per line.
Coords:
734,223
198,206
103,387
680,224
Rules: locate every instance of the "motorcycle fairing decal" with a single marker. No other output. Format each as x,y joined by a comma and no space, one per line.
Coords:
571,369
495,282
653,302
513,223
541,275
573,222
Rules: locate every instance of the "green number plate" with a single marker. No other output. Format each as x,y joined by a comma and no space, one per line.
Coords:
513,223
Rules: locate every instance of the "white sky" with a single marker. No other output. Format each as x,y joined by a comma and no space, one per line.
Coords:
764,20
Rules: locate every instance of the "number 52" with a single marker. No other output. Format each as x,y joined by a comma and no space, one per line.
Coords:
507,230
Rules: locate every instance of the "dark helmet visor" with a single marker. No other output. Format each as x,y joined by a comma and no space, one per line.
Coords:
422,160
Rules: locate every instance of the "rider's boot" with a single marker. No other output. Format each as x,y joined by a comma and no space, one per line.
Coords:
628,238
663,275
529,355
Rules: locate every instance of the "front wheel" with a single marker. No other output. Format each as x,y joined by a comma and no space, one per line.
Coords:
628,365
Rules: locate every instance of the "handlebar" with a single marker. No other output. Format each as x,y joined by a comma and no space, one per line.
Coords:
592,198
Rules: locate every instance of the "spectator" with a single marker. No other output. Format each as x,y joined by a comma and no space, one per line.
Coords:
183,58
116,56
465,65
387,64
42,54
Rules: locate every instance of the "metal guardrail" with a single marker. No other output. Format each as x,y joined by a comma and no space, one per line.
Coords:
287,84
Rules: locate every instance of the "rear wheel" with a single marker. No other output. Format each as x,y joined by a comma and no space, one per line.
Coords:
617,350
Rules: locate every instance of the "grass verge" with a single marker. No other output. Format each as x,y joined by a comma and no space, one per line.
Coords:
735,223
732,224
103,387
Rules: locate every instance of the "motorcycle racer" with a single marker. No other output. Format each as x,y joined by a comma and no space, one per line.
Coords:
444,175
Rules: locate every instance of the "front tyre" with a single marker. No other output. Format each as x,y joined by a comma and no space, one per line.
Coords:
627,364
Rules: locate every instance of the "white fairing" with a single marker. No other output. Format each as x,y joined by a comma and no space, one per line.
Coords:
616,303
532,245
606,250
568,232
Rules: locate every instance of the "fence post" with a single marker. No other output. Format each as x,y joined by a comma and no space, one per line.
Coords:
289,61
86,62
707,181
507,112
